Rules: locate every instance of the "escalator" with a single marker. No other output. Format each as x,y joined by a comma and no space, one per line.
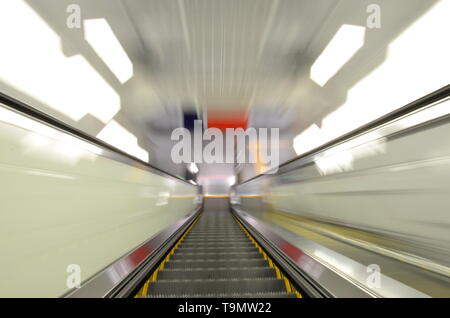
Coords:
217,257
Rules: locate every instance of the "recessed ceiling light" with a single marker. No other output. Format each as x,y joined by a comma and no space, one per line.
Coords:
345,43
100,36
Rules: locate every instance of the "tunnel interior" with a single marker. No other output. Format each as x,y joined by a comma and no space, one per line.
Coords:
225,149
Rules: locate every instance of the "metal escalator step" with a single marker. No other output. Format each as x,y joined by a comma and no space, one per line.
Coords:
216,255
205,227
230,295
224,249
216,232
238,231
209,230
216,286
198,263
217,259
216,237
247,243
216,226
216,273
236,234
212,227
224,234
207,240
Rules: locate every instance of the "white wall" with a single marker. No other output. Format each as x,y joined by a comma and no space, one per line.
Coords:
63,202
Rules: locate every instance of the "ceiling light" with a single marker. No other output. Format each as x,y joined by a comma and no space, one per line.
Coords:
98,33
345,43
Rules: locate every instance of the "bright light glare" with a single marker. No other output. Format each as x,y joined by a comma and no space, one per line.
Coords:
16,119
119,137
32,63
98,33
339,162
193,167
307,140
392,84
335,262
45,138
48,142
345,43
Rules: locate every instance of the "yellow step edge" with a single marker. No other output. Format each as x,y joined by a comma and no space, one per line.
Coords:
279,274
154,275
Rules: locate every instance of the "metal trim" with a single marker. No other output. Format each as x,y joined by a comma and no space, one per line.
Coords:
302,284
402,257
328,281
332,281
108,280
389,131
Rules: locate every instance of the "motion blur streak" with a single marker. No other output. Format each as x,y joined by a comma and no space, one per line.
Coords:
351,99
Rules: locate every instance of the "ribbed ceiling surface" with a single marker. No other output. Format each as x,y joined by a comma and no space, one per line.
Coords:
225,53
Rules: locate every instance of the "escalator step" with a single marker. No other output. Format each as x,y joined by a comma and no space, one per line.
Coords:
216,273
198,263
247,243
216,286
217,234
217,259
221,233
226,235
215,256
208,240
207,229
235,295
216,226
216,237
228,232
212,227
222,249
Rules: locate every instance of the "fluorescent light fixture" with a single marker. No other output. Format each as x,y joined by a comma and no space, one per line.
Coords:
34,69
119,137
345,43
193,167
98,33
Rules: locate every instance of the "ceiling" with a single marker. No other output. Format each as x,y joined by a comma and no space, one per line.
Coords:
207,53
225,53
240,55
